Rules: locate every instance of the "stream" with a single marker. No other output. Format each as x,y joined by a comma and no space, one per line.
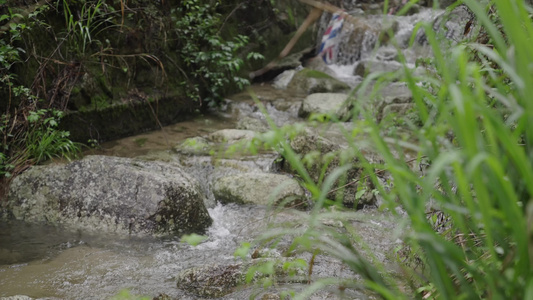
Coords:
47,262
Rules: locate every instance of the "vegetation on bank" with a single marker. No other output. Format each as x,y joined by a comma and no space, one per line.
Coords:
469,233
89,55
28,129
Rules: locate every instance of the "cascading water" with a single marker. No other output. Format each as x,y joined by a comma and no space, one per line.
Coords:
359,37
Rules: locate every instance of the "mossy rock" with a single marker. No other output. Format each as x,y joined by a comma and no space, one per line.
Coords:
313,81
194,146
260,188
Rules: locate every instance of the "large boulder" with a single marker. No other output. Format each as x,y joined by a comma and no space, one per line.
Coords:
109,194
259,188
326,103
208,169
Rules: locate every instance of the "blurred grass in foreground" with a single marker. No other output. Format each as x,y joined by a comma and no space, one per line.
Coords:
475,108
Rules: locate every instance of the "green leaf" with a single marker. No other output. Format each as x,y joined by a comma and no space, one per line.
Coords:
243,250
193,239
360,194
33,117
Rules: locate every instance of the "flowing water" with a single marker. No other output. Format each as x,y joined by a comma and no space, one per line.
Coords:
48,262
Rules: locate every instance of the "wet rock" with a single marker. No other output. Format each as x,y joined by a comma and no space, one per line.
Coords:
208,169
212,281
194,146
231,136
396,109
282,105
109,194
312,81
395,98
388,29
451,25
259,188
366,67
318,64
282,80
163,297
253,124
356,39
387,54
326,103
397,89
217,142
360,70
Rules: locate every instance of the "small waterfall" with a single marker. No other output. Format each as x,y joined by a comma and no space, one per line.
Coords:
358,39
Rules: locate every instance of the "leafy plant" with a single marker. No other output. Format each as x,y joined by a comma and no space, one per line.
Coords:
44,141
28,134
84,24
212,63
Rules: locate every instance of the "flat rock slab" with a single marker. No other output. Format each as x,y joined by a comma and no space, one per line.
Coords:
259,188
325,103
313,81
231,136
109,194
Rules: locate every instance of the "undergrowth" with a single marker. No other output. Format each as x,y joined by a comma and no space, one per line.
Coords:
468,232
29,132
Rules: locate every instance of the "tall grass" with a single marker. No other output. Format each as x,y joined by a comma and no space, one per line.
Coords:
475,109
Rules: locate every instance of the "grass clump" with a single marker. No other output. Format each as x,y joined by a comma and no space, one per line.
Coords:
468,208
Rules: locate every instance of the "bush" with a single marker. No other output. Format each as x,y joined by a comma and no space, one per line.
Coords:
29,134
212,63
